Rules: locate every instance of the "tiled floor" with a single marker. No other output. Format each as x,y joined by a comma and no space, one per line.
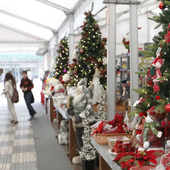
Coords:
17,147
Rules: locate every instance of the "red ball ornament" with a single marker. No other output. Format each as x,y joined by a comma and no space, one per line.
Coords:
81,51
151,110
158,97
140,114
156,88
167,107
75,60
75,72
161,5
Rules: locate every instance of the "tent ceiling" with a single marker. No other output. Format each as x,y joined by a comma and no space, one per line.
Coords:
39,19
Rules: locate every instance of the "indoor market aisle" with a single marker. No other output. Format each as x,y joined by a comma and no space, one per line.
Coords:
17,145
29,145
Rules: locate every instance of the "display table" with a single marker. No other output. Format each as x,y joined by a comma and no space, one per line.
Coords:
105,159
49,107
62,114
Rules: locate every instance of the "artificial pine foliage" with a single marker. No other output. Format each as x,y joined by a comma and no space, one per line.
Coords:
91,51
62,60
157,94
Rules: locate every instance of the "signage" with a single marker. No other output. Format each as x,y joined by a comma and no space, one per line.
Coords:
18,64
20,56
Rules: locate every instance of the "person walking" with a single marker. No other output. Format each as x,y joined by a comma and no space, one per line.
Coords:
26,86
10,84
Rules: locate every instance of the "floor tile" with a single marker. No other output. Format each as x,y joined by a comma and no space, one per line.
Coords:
5,166
17,145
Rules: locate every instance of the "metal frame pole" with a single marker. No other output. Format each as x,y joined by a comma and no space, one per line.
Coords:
134,83
111,66
71,37
148,27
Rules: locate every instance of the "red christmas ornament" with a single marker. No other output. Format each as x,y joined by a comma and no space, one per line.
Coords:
75,72
167,107
156,88
161,5
75,60
140,114
81,51
158,97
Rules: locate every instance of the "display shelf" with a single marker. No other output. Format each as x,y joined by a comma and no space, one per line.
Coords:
49,107
122,55
122,69
64,113
127,56
120,83
103,151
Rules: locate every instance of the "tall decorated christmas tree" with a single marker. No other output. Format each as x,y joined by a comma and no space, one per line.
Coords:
91,51
62,60
154,103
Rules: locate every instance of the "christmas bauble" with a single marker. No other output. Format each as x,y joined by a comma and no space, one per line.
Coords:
161,5
167,107
158,97
141,114
156,88
74,72
81,51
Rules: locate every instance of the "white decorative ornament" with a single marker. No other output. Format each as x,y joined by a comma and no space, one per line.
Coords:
158,52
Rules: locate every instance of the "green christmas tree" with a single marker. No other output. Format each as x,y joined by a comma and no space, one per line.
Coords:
91,51
62,60
155,93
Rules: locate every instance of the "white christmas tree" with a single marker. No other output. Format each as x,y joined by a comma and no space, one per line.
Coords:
102,104
88,152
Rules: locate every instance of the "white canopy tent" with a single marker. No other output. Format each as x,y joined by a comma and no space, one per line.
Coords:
38,26
29,24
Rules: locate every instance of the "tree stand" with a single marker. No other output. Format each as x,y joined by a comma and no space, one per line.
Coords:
88,165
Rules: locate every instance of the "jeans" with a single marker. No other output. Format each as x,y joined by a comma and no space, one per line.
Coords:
28,98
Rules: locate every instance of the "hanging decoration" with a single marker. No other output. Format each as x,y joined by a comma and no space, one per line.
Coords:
167,36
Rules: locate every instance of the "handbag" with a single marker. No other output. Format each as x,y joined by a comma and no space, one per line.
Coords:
15,96
32,98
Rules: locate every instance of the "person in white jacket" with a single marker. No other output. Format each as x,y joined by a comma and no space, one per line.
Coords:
9,83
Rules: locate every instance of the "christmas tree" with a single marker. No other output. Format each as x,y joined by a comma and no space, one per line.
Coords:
155,93
88,152
62,60
91,51
102,104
